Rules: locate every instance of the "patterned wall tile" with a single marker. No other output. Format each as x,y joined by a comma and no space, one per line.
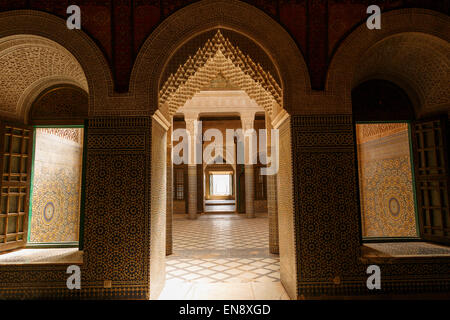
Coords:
56,185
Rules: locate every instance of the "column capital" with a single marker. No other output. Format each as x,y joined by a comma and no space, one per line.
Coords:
190,116
247,119
193,127
191,119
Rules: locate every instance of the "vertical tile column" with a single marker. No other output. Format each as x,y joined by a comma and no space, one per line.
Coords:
272,205
285,205
192,195
169,199
272,211
327,225
192,128
247,126
116,258
249,191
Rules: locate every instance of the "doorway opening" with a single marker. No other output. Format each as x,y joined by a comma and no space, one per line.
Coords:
220,184
208,95
220,195
221,233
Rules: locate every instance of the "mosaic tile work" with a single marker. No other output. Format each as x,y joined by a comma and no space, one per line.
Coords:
222,248
56,185
387,199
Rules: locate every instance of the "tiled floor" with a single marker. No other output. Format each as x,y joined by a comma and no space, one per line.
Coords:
222,256
227,270
220,234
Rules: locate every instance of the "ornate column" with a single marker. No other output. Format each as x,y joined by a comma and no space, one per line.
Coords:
192,128
272,206
169,199
249,145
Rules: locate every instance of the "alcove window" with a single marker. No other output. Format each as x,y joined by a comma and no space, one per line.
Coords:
386,180
56,182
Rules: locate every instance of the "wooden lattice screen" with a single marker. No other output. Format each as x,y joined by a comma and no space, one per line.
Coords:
15,146
432,179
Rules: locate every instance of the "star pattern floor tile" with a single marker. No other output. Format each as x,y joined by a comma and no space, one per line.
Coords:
222,248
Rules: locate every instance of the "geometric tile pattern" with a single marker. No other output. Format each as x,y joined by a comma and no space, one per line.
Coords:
224,270
386,184
222,248
56,185
328,247
326,211
220,232
117,224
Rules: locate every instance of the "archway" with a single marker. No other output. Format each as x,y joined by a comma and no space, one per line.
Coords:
45,65
409,40
42,30
282,52
411,52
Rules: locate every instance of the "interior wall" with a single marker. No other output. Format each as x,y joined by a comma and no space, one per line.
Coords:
385,180
56,185
325,199
116,255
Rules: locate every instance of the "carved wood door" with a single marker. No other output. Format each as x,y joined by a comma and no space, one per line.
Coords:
430,142
16,147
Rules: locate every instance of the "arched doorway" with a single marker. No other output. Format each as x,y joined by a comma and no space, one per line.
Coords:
281,52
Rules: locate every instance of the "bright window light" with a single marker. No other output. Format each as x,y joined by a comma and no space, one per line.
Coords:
221,184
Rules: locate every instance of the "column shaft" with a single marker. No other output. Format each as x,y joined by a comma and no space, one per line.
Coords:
192,191
272,210
169,199
249,191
